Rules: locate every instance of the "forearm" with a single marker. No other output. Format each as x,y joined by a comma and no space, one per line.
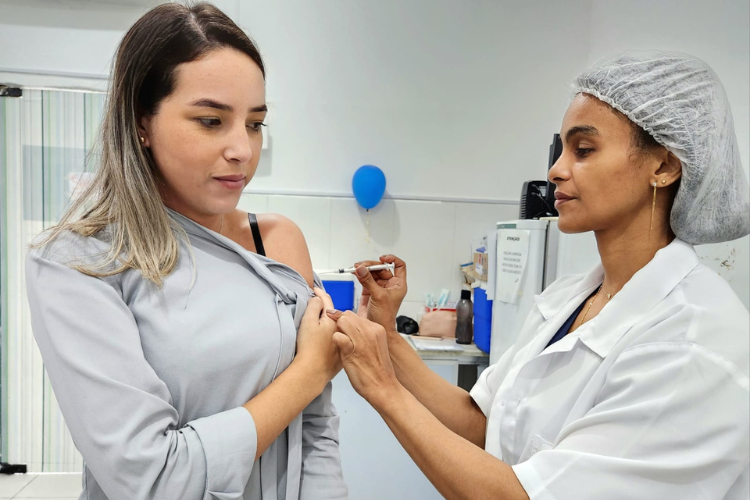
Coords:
285,398
456,467
451,404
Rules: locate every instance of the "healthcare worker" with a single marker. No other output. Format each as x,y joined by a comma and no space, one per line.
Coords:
183,339
630,381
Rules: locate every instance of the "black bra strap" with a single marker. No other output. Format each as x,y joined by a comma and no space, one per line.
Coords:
256,234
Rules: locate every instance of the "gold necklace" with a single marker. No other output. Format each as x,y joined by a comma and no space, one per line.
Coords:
221,224
609,296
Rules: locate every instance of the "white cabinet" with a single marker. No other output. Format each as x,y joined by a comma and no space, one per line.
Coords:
375,465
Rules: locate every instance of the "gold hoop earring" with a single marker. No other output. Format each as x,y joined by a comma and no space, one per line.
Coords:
653,209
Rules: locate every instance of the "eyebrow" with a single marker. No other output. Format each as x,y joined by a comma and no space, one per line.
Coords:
581,129
210,103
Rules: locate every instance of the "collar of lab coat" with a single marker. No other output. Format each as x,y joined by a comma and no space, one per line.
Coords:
649,286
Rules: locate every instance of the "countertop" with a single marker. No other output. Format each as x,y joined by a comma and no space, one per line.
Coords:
470,355
47,486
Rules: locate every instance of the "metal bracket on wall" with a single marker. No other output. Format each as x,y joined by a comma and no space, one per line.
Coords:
6,91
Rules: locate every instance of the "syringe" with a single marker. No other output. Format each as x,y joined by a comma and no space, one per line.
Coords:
352,270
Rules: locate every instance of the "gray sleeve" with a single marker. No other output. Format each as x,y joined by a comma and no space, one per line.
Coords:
117,409
322,478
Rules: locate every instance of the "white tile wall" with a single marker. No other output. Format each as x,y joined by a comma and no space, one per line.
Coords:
253,203
424,240
432,237
357,234
313,216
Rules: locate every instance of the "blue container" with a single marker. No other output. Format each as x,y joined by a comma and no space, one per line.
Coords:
482,320
342,293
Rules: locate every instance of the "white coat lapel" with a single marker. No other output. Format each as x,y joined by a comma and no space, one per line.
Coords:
556,306
647,288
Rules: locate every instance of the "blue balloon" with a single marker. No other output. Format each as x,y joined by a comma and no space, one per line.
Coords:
368,185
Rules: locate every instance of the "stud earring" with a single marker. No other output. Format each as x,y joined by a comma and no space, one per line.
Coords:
142,139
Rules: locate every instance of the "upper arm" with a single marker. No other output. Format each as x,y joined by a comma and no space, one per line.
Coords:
667,424
284,242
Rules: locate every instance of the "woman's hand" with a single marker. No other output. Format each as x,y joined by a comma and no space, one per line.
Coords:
314,340
382,291
364,354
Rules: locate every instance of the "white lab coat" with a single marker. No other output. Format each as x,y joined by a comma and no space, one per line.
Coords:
648,400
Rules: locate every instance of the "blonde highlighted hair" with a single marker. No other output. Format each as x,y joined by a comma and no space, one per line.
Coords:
124,195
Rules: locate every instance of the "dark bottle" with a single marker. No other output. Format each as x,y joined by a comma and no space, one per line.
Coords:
464,318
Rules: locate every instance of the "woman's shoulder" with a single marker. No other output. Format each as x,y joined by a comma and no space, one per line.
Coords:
701,311
285,242
68,247
73,250
276,222
716,302
712,299
704,283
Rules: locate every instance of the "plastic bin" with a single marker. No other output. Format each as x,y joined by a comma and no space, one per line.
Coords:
482,320
342,293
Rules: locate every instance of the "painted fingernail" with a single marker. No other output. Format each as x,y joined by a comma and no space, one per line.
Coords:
332,312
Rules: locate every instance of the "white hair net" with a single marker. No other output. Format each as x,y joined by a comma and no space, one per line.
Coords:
680,101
